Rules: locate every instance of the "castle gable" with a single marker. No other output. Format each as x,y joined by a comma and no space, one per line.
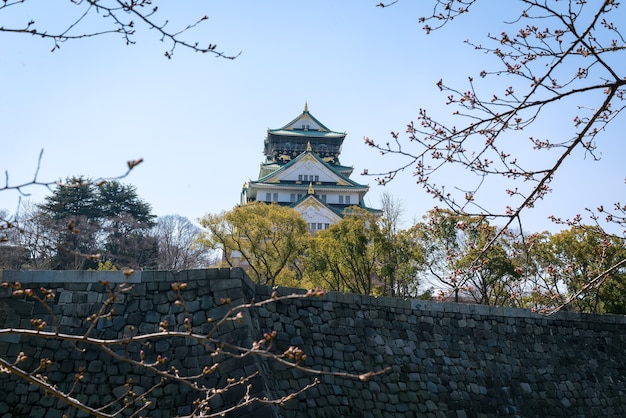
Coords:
317,214
307,168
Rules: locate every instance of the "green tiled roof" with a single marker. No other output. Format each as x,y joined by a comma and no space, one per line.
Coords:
305,133
289,130
298,158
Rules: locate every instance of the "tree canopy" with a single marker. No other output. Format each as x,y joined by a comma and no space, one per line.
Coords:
90,222
264,239
572,261
344,256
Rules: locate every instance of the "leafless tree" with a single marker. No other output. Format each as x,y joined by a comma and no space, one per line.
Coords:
29,232
393,209
179,249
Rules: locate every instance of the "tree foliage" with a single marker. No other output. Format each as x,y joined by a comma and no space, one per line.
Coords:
88,222
401,255
572,260
578,268
344,256
451,243
401,260
266,240
26,221
494,279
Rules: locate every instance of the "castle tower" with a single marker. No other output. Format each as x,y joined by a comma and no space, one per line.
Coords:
302,170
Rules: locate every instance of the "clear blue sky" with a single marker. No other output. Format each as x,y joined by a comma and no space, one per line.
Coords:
199,122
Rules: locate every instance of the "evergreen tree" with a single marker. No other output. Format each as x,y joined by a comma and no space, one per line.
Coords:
105,221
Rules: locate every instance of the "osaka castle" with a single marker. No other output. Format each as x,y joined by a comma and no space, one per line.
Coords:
302,170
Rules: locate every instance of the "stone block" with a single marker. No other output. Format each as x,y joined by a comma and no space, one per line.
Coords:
146,305
225,284
65,297
83,310
156,276
138,289
197,275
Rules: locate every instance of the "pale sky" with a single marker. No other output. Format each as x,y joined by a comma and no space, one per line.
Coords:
199,121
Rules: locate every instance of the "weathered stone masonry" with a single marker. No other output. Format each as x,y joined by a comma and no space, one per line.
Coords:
447,360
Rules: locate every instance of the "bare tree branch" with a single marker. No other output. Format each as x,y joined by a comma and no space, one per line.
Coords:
117,18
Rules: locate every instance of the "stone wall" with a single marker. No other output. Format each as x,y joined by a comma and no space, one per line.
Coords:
446,360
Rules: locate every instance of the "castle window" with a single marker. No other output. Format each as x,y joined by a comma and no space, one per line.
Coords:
292,198
268,197
340,200
275,197
317,178
347,200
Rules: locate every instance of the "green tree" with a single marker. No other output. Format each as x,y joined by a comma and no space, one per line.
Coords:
540,291
574,259
126,220
489,273
265,239
345,256
441,244
401,256
458,257
401,260
116,200
71,214
76,198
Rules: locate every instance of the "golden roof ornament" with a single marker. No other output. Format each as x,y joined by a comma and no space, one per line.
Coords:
311,191
308,147
306,106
